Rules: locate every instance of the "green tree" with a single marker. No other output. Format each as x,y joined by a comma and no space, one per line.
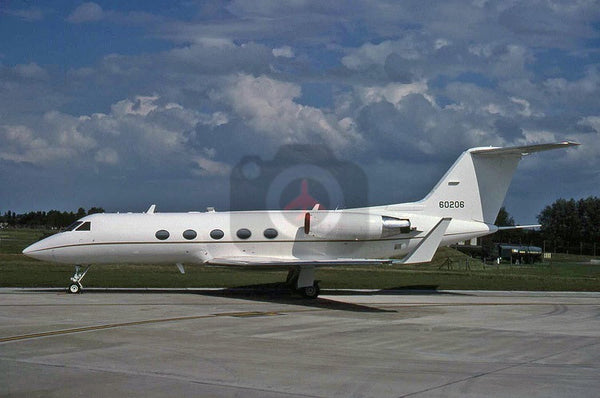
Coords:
589,214
95,210
569,223
560,221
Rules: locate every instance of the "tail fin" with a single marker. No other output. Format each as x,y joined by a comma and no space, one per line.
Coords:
475,186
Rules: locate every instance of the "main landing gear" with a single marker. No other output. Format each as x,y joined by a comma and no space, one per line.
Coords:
302,280
310,292
76,287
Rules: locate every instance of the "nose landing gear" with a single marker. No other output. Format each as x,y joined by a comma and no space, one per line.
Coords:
76,287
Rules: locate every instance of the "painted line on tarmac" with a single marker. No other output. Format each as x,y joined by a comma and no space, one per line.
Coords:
97,327
137,323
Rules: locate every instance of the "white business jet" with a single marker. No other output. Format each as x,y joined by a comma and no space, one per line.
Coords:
463,205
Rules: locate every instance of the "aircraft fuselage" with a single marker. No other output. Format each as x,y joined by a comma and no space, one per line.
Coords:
141,237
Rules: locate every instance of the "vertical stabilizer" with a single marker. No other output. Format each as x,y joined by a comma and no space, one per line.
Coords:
475,186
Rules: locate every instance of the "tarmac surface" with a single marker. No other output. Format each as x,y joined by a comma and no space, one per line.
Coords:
213,343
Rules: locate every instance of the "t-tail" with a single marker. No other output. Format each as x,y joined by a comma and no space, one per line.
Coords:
475,186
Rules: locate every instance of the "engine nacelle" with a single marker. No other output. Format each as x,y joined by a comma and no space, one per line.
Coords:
394,226
354,226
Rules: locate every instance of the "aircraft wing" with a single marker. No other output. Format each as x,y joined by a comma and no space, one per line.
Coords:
422,253
287,262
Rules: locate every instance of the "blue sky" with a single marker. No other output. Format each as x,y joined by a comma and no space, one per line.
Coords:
122,104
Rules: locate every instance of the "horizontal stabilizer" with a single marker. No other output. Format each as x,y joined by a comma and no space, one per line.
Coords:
522,150
509,227
425,250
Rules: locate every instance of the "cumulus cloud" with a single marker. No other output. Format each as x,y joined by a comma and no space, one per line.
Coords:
393,93
86,12
592,121
30,71
586,85
209,167
399,54
138,132
93,12
20,143
285,52
526,110
142,105
269,107
107,156
56,138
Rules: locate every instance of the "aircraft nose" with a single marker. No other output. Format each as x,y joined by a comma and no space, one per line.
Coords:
38,250
29,249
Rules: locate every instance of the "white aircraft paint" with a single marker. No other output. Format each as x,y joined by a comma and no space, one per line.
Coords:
463,205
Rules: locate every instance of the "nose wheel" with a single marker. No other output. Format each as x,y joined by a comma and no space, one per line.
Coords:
76,287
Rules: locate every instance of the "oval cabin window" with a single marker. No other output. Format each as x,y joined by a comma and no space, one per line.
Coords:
162,234
190,234
216,234
243,233
270,233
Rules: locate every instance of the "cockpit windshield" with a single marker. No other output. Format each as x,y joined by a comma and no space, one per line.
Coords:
79,226
86,226
72,226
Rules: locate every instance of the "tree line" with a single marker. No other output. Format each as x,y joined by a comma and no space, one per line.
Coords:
52,219
572,225
568,226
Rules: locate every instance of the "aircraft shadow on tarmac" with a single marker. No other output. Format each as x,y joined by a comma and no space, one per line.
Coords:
282,294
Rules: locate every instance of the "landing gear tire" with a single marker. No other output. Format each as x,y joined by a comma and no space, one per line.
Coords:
74,288
310,292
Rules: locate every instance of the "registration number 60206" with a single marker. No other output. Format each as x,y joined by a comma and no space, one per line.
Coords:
452,204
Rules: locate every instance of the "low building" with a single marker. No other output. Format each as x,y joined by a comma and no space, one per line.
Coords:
519,254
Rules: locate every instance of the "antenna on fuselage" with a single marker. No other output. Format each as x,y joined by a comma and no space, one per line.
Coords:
151,209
